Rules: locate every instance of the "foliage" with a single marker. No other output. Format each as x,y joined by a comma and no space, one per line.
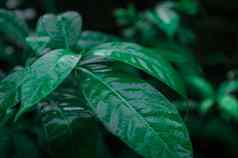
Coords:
70,83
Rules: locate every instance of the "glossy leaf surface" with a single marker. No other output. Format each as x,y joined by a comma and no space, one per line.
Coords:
45,75
137,113
143,59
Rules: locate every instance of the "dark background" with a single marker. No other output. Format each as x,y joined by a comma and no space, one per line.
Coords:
215,26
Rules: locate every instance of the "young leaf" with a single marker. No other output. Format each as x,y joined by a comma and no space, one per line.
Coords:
228,87
63,30
229,106
165,17
201,86
137,113
13,26
143,59
45,75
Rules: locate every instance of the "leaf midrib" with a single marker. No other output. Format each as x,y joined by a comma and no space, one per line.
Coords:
128,106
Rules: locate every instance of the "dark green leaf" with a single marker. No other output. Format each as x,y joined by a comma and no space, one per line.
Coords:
188,6
71,125
141,58
181,57
137,113
45,75
13,26
9,90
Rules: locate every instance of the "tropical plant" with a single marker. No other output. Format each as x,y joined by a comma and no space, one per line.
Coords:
74,81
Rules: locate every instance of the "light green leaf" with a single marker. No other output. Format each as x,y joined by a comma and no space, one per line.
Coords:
228,87
229,106
143,59
137,113
13,26
63,30
201,86
45,75
165,17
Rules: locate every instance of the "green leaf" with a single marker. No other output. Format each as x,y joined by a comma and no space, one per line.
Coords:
201,86
91,39
45,75
71,125
190,7
181,57
9,90
165,17
63,30
228,87
137,113
38,44
13,26
229,106
143,59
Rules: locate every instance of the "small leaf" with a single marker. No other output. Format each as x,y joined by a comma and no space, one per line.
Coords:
137,113
201,86
229,106
143,59
63,30
13,26
165,17
228,87
45,75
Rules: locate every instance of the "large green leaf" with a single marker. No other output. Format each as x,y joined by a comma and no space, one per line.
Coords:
13,26
137,113
45,75
141,58
9,90
63,30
